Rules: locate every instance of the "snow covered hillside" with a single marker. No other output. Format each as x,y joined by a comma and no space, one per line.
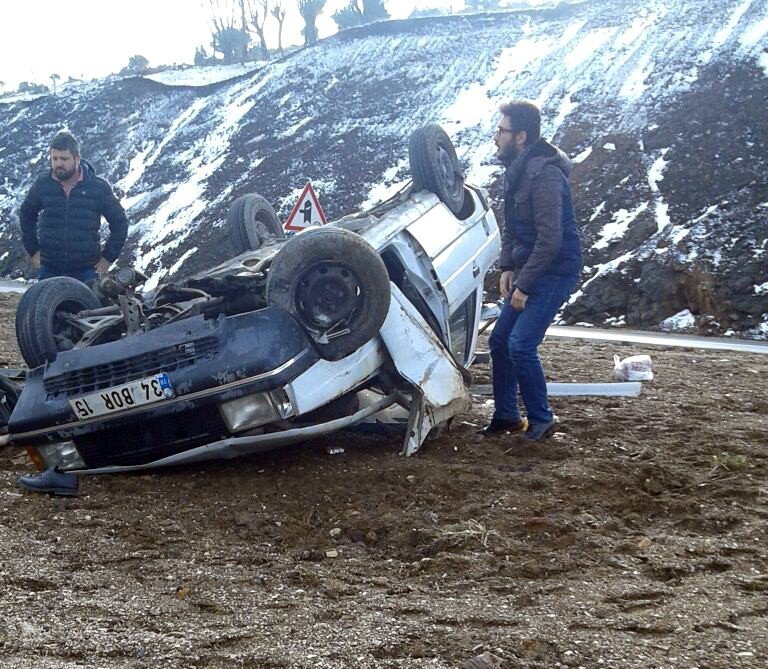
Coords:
661,103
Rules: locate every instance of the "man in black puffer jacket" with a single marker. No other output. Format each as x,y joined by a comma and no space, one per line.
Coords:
61,216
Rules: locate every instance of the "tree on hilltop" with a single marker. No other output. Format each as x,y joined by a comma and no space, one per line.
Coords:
226,38
137,64
258,11
278,11
354,14
310,10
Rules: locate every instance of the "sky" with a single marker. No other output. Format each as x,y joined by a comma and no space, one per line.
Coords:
93,38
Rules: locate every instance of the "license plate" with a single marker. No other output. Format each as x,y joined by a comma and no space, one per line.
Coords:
127,396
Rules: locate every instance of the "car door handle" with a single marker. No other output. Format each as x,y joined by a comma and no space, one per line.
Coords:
475,271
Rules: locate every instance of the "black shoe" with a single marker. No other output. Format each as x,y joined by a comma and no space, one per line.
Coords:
540,431
501,426
51,481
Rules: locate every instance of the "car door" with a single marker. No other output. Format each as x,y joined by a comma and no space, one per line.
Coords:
460,251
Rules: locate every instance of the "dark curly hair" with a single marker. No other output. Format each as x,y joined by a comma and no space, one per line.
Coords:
66,141
523,115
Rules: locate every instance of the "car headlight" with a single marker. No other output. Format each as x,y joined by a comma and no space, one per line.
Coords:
254,410
63,455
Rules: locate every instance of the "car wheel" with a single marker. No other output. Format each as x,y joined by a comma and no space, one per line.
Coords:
42,329
435,167
252,221
335,284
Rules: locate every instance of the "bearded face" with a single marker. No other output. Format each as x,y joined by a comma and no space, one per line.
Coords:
64,164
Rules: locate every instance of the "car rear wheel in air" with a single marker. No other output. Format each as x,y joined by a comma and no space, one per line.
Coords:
252,221
335,284
435,166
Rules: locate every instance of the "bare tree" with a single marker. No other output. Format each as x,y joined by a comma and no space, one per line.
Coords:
353,14
55,78
278,11
310,10
230,41
259,10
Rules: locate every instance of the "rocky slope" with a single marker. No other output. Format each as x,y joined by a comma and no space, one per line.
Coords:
661,105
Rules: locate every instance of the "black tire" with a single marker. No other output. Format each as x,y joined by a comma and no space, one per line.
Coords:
40,330
435,167
252,221
331,279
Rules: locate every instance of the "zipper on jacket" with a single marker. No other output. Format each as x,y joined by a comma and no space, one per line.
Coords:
66,225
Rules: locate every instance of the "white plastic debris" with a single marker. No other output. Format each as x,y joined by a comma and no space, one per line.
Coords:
633,368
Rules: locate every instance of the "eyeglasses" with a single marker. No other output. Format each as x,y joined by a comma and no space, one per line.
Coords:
500,130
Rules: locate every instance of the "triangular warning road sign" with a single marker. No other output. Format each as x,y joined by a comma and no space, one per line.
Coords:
306,213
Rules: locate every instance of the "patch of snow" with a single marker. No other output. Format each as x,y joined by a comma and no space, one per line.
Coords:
597,212
474,111
295,128
616,321
678,233
760,331
635,85
762,61
567,105
722,35
683,320
21,97
655,175
204,76
387,187
177,265
604,268
762,289
147,157
609,146
586,153
590,43
635,31
618,226
755,33
708,212
4,256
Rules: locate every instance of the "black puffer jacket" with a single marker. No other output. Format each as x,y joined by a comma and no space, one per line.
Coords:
67,232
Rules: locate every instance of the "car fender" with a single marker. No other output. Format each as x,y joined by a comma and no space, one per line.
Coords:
438,391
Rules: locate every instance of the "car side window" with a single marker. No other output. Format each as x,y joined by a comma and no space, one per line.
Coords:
459,327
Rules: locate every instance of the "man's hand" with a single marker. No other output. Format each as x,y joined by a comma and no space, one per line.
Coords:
519,298
35,260
102,266
505,283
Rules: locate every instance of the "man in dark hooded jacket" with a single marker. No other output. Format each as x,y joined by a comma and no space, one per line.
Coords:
540,263
61,216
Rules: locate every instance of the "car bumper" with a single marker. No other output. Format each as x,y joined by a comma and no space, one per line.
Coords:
207,362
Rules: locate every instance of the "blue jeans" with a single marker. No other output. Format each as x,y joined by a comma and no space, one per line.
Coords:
514,346
83,275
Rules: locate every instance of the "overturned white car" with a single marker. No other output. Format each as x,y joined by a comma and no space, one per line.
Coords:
292,339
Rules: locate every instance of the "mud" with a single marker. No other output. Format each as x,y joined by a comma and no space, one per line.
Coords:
635,538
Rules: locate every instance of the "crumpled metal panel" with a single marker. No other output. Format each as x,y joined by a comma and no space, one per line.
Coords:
421,359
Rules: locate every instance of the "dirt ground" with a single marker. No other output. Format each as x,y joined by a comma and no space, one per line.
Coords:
635,538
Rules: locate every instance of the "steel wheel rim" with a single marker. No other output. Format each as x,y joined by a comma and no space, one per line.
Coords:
328,293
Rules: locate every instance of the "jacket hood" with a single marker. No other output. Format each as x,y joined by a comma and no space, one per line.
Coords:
543,153
531,161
